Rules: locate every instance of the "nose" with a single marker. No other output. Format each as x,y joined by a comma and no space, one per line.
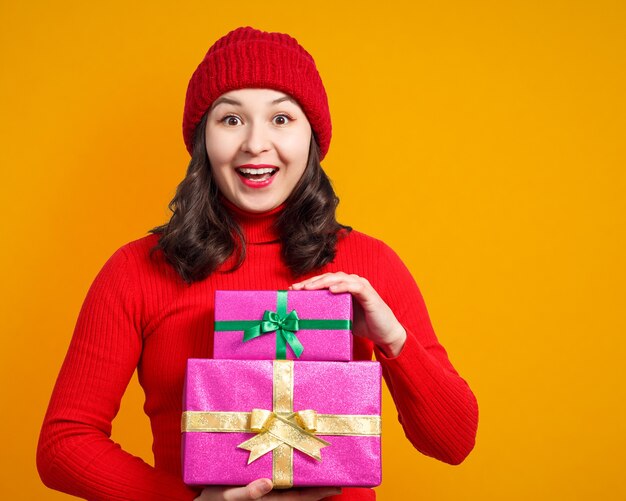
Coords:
256,139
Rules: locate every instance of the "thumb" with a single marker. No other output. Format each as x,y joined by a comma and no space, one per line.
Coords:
254,490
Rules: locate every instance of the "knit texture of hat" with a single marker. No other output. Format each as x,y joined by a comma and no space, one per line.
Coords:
250,58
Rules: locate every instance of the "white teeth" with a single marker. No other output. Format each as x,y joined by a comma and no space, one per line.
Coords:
256,171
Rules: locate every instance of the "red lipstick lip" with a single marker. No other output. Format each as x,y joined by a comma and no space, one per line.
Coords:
257,166
256,184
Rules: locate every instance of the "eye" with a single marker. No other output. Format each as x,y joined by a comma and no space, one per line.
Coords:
281,119
231,120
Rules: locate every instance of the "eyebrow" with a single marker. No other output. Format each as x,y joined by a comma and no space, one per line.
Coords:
227,100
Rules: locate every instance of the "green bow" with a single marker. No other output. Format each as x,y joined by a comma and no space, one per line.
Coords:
285,327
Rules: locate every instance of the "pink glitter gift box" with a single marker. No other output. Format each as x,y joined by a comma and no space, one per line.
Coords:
267,325
298,423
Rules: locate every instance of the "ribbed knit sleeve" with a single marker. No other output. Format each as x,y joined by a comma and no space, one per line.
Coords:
436,407
75,452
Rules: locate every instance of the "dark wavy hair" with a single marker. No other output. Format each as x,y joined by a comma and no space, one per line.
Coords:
202,234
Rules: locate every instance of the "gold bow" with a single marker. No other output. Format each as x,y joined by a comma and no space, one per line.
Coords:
282,430
295,430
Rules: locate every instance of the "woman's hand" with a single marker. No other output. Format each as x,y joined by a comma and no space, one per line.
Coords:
373,319
262,489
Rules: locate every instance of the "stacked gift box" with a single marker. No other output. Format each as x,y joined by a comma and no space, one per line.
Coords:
282,398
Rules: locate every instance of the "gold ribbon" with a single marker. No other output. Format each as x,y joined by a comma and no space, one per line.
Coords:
274,430
281,430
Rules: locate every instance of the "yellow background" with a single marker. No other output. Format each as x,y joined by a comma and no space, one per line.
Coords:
483,140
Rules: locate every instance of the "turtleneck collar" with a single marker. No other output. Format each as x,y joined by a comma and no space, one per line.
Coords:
257,227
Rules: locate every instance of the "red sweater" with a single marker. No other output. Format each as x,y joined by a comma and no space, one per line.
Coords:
139,314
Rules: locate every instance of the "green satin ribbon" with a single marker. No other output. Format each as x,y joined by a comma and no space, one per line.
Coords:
285,327
284,324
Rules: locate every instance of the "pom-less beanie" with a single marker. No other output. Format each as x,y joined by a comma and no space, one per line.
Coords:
250,58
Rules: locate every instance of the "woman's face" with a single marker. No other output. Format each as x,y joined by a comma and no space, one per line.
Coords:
257,141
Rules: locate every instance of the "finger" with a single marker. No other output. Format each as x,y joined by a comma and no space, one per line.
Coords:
259,488
359,287
355,287
300,285
325,282
254,490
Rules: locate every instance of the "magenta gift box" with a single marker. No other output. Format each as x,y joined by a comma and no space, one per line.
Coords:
325,321
227,391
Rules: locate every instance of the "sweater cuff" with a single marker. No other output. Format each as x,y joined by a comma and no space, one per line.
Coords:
380,354
405,361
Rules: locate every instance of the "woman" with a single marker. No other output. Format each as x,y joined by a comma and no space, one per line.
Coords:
255,211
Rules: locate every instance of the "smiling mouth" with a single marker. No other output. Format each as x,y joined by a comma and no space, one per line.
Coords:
257,175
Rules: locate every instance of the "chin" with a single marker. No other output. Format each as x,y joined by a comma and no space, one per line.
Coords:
258,205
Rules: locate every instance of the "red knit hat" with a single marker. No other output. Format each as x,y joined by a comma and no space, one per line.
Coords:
250,58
